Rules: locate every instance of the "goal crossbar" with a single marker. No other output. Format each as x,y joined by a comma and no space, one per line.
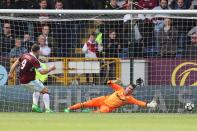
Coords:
32,11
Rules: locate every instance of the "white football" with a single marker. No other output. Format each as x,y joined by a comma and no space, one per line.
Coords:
189,106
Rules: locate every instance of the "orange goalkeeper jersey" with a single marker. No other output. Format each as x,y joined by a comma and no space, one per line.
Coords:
118,98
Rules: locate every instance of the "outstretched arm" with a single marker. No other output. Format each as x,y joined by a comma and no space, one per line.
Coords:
115,84
132,100
13,67
151,104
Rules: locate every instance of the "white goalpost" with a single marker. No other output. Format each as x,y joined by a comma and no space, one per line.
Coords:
154,49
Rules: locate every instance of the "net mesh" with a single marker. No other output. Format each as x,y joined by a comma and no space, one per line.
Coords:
154,51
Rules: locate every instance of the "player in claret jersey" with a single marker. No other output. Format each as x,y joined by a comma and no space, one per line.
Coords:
111,102
27,64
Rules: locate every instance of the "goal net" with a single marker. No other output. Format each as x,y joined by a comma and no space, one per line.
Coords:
156,50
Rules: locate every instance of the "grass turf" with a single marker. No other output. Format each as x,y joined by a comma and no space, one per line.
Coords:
97,122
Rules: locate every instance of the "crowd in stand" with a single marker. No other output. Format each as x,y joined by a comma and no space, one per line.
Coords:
152,35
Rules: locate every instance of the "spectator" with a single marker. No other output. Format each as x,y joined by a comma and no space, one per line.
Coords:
112,47
167,37
146,4
59,30
49,40
183,26
144,31
112,5
58,5
149,26
6,40
45,50
43,4
91,48
18,49
180,4
192,31
158,19
37,26
191,49
27,42
127,5
163,5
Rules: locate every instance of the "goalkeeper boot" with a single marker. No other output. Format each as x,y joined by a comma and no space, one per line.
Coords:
48,111
36,108
67,110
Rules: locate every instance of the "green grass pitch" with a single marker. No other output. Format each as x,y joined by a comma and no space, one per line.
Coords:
97,122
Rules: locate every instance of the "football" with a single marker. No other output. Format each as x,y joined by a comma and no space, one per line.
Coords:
189,106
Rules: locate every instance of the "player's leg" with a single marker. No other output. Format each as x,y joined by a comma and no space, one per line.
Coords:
35,107
46,100
39,87
95,102
103,109
36,94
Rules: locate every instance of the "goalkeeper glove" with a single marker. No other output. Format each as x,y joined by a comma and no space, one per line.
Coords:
152,104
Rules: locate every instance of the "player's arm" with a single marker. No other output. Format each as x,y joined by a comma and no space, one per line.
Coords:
115,84
13,67
152,104
132,100
46,71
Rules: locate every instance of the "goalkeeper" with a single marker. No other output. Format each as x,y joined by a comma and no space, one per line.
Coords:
111,102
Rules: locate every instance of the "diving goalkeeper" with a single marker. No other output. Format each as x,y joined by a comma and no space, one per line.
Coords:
111,102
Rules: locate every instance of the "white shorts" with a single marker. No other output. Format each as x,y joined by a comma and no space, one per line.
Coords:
34,85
